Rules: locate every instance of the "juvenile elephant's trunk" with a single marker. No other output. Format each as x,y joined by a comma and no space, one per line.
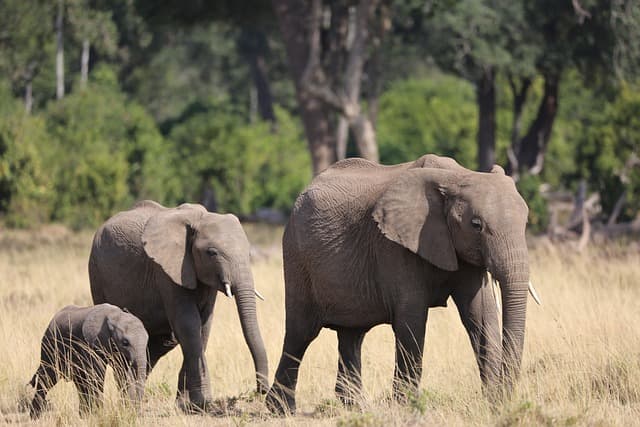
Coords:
246,301
512,271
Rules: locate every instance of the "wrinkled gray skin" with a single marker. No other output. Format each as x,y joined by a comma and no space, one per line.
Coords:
368,244
78,345
166,266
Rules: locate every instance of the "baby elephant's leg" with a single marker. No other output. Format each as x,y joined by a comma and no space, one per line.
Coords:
44,378
89,381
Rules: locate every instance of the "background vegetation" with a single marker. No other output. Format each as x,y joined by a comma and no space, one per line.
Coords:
103,102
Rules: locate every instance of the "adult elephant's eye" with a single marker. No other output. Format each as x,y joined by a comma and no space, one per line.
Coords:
212,251
476,223
125,342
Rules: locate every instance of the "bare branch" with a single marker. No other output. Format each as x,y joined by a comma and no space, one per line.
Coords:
582,13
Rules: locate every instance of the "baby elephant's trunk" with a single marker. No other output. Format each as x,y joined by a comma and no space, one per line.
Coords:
136,379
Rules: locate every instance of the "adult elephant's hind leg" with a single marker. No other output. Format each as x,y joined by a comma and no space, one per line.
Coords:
349,380
409,328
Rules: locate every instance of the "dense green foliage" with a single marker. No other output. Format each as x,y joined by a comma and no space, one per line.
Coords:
607,153
170,105
425,116
247,166
26,190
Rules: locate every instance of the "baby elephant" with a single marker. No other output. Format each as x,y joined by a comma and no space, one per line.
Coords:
78,345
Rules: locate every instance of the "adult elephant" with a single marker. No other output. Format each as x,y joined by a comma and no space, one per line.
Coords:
166,266
368,244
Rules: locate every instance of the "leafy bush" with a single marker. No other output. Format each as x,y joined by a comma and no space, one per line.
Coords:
431,115
26,189
607,149
108,152
529,188
247,165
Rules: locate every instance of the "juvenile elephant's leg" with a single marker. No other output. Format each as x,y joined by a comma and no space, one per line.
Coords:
479,314
409,328
300,331
43,380
349,380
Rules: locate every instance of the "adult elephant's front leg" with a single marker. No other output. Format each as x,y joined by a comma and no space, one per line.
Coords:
409,326
194,390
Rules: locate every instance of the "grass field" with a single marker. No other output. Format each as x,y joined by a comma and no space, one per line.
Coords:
581,361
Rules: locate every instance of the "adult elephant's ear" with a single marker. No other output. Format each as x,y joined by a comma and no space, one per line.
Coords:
411,212
167,238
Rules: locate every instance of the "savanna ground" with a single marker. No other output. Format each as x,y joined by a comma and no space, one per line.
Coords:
581,361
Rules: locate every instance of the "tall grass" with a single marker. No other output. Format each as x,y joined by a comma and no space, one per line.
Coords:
581,361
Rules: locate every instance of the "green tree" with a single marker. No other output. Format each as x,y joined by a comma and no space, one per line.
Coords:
109,153
26,46
26,188
435,114
608,154
247,165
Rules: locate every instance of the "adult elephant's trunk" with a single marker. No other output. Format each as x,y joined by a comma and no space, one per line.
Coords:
512,271
244,292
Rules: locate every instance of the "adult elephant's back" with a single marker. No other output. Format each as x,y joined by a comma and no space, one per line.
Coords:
119,271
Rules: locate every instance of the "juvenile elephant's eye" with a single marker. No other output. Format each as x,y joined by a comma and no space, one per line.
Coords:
476,223
212,251
125,342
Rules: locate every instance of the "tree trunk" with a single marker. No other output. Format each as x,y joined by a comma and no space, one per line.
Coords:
532,147
60,51
360,124
28,97
253,45
486,98
365,137
84,63
519,98
342,137
293,17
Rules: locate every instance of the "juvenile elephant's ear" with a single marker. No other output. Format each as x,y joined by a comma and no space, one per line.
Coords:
96,328
411,212
167,238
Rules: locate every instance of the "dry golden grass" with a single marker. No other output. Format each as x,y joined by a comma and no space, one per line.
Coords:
581,362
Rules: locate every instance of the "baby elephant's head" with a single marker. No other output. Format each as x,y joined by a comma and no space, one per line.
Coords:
122,339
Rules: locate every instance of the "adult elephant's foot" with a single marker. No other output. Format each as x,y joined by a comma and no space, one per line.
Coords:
280,402
194,404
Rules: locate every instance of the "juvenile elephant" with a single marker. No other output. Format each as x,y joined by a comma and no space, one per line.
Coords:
166,266
368,244
79,343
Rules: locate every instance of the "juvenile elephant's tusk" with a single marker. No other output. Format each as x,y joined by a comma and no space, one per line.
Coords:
534,294
227,290
258,294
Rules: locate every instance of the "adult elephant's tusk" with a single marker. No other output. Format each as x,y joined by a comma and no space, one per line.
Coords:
258,294
534,294
488,279
227,290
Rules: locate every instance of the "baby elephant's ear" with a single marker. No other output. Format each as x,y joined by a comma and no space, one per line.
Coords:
97,328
